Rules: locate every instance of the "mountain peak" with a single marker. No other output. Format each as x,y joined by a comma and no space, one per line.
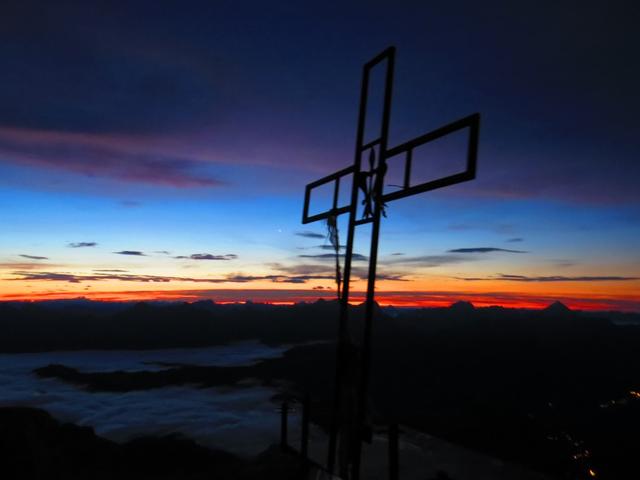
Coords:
557,307
463,306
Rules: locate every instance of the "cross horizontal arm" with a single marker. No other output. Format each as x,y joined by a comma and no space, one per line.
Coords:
472,122
335,210
325,215
328,178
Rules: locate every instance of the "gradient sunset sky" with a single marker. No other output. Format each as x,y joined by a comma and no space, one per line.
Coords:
157,149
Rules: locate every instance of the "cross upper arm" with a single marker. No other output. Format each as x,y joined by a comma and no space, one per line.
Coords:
335,209
472,123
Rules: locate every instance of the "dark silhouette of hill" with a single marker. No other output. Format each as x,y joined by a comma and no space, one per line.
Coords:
557,308
82,324
462,307
532,387
536,387
34,446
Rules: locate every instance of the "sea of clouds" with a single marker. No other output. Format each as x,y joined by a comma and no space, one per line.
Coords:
242,420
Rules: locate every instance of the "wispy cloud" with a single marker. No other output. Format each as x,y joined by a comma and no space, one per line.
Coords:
315,271
121,158
26,265
429,260
302,269
551,278
332,256
329,247
33,257
277,278
81,244
308,234
131,252
501,228
391,277
395,276
78,278
484,250
209,256
563,263
105,275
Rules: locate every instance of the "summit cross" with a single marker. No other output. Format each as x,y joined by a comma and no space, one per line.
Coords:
349,420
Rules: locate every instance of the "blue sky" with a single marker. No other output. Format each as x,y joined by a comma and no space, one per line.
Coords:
192,128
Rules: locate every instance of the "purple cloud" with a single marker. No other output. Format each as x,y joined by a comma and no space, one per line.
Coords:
208,256
551,278
104,275
484,250
332,256
116,157
308,234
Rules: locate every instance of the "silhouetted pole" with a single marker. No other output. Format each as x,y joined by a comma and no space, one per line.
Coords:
377,184
283,424
394,445
304,441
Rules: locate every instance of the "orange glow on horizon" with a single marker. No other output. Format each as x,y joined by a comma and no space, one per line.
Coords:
424,299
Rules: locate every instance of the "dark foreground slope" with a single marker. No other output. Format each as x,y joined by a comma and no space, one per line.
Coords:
553,390
87,325
35,446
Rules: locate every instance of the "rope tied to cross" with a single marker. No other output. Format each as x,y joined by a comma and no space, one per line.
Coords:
334,239
370,182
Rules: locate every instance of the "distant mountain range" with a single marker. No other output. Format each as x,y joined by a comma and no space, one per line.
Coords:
81,324
553,389
536,387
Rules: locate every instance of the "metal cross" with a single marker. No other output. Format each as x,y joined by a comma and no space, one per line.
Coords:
353,360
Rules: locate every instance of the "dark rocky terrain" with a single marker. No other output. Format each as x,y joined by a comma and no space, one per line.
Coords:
555,390
34,446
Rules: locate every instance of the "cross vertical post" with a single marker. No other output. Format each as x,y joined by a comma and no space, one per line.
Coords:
377,193
348,426
284,427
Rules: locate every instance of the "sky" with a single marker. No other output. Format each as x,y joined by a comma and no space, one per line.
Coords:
159,150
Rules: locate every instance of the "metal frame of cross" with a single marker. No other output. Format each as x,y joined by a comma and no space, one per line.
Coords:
349,414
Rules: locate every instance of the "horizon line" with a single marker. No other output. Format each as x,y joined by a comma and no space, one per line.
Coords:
398,299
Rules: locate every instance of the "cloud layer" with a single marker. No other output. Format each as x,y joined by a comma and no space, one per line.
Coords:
103,275
241,420
82,244
33,257
308,234
551,278
99,155
208,256
484,250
